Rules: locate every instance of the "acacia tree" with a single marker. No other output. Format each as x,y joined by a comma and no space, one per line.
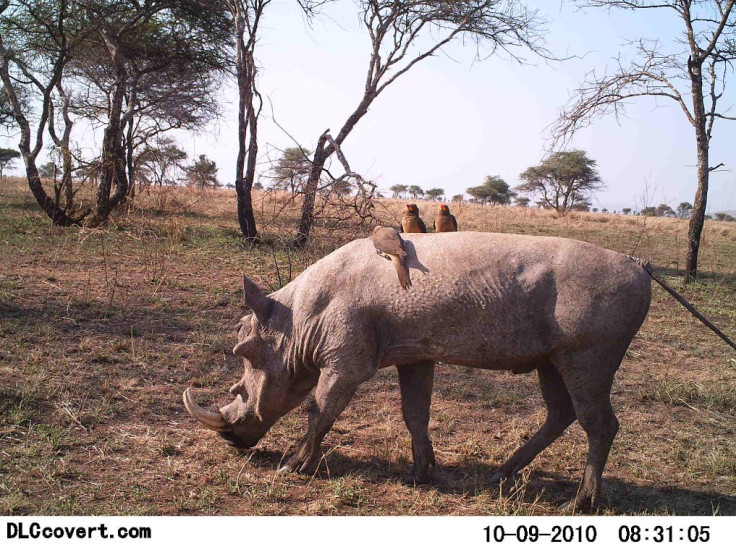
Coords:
563,180
202,173
415,191
175,99
405,32
291,170
398,189
684,210
435,193
156,59
494,190
582,205
7,159
663,210
161,160
35,47
694,78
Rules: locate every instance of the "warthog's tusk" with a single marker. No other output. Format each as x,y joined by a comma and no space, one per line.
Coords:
212,420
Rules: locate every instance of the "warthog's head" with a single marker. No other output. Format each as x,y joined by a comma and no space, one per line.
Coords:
270,386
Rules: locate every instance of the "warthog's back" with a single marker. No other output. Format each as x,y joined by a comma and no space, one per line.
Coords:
481,299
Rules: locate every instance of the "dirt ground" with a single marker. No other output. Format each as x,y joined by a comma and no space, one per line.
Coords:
101,330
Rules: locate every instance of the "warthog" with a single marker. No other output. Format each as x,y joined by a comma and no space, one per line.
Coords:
564,308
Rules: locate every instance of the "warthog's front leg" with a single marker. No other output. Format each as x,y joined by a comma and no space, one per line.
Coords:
416,382
333,393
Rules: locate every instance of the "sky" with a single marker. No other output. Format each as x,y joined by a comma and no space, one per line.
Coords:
453,119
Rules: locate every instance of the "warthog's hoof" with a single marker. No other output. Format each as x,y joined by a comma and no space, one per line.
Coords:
496,479
576,506
302,461
414,480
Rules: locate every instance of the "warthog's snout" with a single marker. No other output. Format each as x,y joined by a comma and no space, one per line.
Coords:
238,442
240,433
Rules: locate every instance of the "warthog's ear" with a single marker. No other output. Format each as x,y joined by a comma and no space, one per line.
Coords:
258,301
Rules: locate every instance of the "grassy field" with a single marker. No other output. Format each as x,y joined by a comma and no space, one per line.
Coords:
102,329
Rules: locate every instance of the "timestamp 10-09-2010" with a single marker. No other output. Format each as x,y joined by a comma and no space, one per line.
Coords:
627,533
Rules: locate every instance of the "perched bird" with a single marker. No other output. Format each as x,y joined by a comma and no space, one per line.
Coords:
388,244
445,222
411,223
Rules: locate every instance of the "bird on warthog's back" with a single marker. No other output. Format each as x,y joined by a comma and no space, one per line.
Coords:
388,244
444,221
411,223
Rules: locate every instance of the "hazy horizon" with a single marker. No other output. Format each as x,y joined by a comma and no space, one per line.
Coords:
452,120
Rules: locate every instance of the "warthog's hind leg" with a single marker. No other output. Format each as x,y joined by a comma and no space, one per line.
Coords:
560,414
416,382
601,425
588,377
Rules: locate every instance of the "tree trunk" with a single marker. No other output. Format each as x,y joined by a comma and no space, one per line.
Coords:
66,152
66,179
247,121
310,191
321,154
697,217
113,151
129,160
58,216
113,164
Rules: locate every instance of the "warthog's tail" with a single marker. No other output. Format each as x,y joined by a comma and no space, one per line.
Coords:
646,265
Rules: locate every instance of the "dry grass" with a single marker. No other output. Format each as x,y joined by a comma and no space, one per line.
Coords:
101,330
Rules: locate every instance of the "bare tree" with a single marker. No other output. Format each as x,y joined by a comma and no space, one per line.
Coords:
396,28
694,78
339,203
